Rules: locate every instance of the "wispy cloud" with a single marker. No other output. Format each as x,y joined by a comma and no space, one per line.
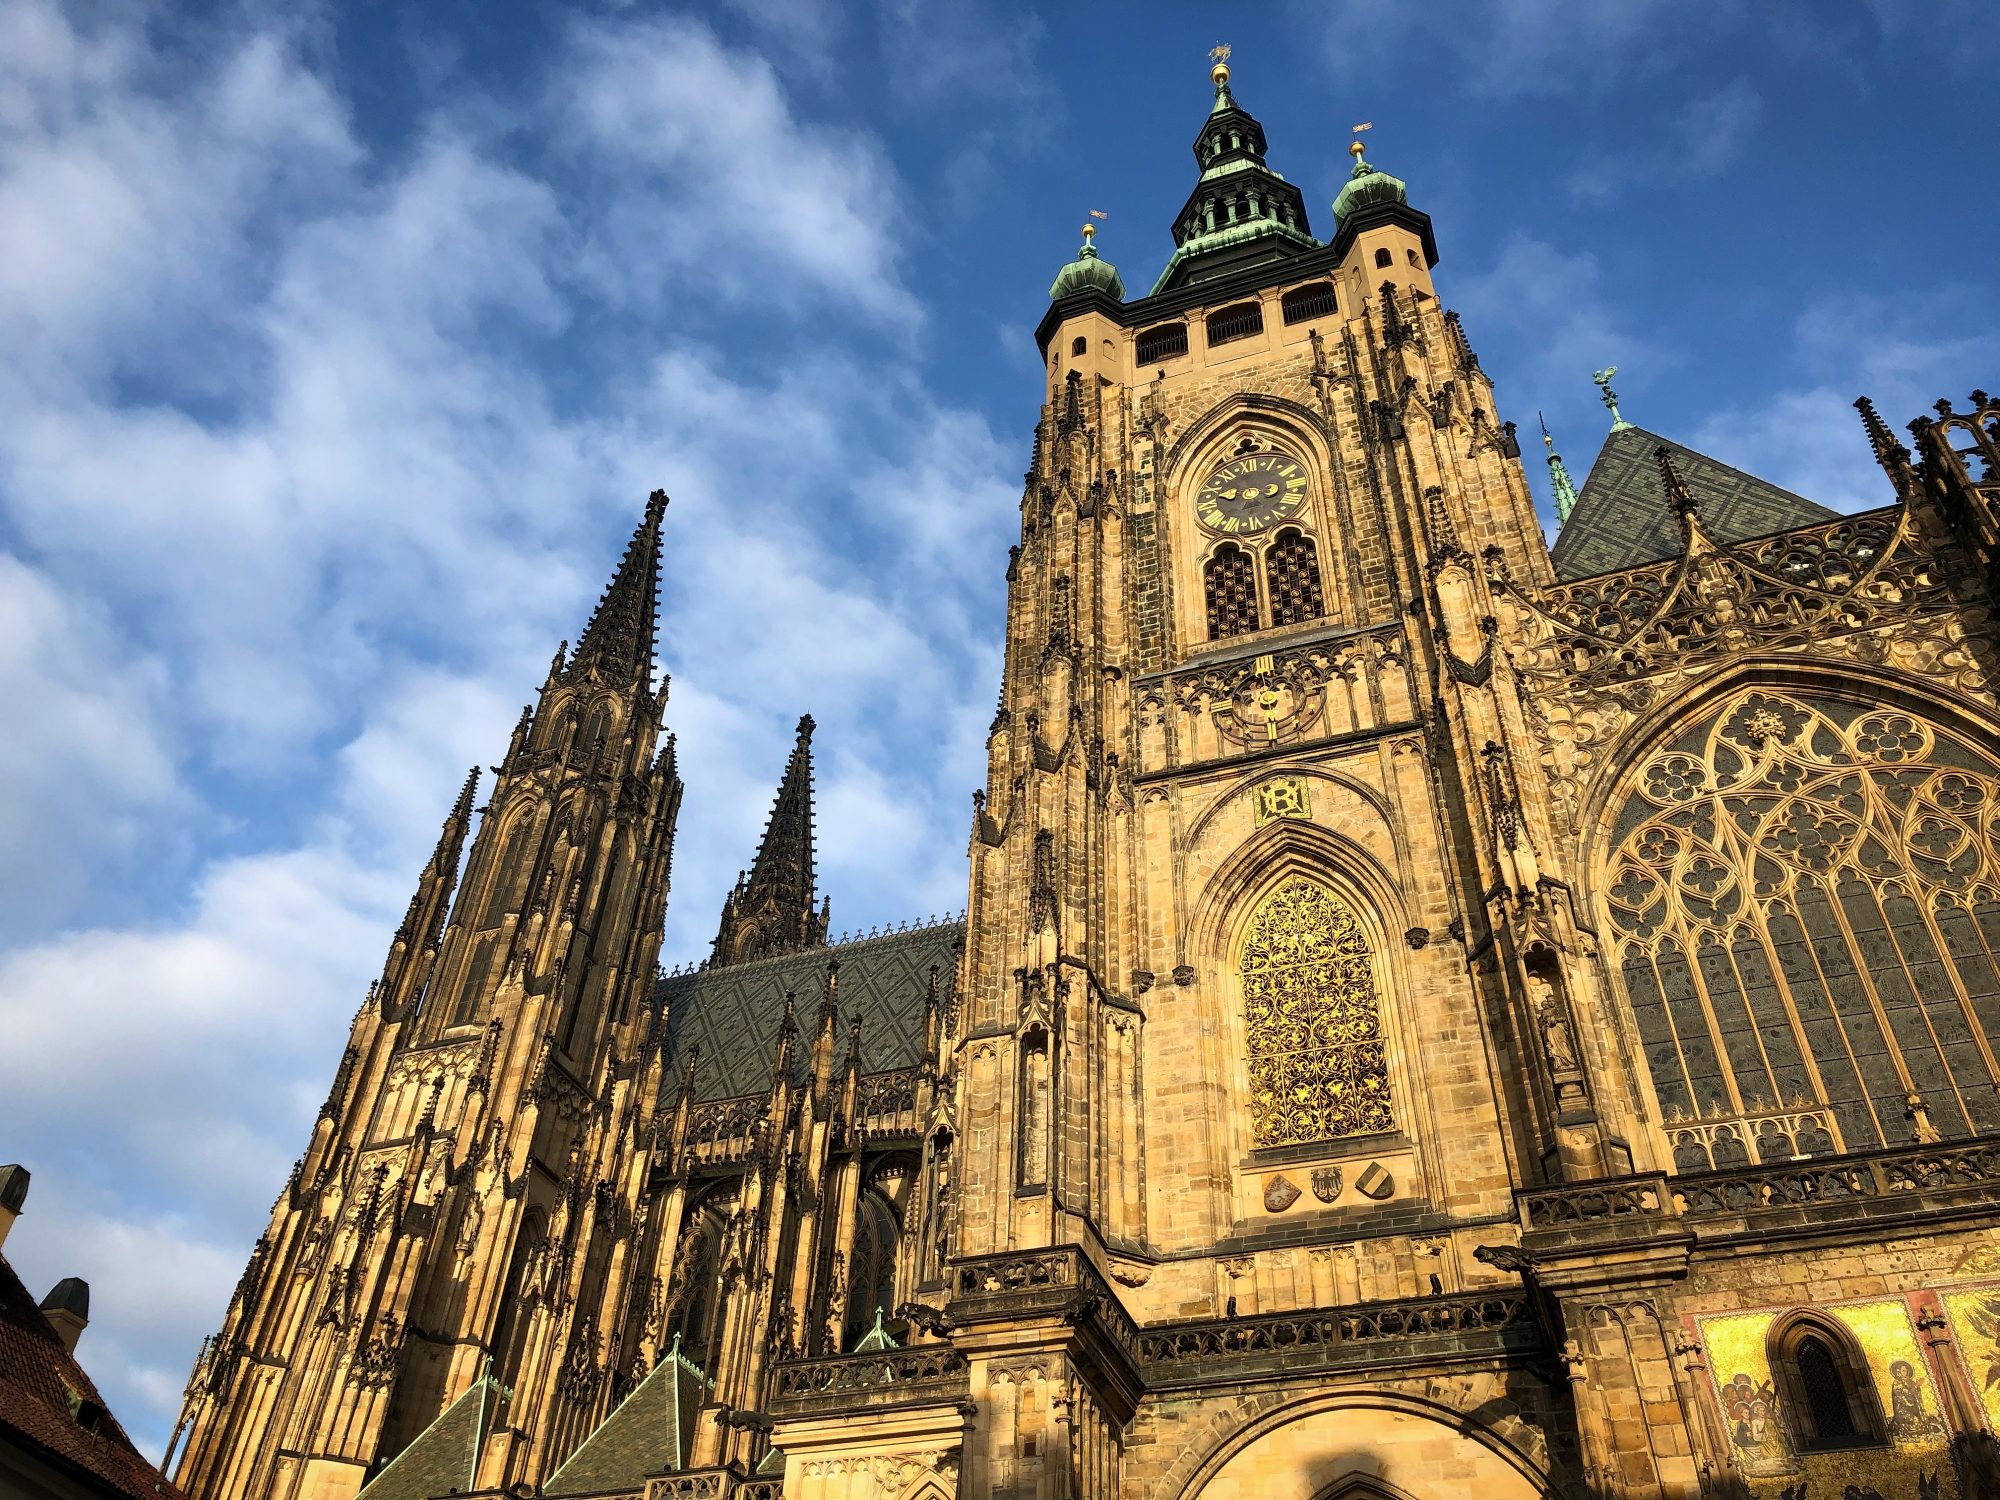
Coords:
303,471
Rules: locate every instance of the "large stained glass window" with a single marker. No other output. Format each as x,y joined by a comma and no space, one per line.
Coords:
1314,1028
1805,903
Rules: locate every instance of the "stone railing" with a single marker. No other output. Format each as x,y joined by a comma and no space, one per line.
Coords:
1324,1333
886,1103
759,1489
1574,1205
924,1364
1062,1279
1885,1176
703,1486
723,1130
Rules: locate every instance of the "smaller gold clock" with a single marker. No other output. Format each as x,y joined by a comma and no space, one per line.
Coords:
1251,493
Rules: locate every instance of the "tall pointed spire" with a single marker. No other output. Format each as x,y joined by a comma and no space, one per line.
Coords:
1560,484
772,908
619,639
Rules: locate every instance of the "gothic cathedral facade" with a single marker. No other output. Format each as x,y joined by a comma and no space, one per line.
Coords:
1434,1014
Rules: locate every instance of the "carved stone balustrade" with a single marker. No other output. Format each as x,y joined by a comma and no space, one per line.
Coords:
922,1373
1928,1181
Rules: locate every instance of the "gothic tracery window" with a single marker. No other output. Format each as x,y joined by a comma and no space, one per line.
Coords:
1230,584
1805,897
1292,567
1313,1025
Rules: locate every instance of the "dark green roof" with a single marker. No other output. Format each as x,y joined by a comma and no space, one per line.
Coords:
733,1013
1622,518
1089,269
647,1433
440,1461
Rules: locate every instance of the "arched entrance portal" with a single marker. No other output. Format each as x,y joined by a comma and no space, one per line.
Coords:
1363,1448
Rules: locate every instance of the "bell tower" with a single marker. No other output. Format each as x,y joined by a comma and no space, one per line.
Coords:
1268,959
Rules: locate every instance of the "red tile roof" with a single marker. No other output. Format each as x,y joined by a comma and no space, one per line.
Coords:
42,1392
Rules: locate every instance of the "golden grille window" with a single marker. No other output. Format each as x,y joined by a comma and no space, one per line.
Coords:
1292,566
1805,899
1231,586
1314,1029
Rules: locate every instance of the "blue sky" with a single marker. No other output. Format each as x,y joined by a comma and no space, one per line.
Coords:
339,347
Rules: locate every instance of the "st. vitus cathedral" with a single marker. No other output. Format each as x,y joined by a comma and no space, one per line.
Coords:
1435,1014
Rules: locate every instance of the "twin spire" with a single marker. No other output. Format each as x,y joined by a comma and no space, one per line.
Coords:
772,907
622,631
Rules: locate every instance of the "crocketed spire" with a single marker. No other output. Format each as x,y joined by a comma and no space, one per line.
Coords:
772,908
618,641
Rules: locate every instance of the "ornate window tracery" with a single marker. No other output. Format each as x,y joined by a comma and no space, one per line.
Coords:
1292,566
1805,899
1230,583
1317,1070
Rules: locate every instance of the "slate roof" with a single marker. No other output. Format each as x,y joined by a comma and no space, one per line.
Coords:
1622,518
440,1459
647,1433
50,1409
733,1013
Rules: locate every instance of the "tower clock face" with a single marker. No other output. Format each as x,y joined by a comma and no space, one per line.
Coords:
1250,493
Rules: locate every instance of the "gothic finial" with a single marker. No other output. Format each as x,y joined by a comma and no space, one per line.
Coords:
1218,73
620,635
1610,397
1889,453
1559,480
1678,495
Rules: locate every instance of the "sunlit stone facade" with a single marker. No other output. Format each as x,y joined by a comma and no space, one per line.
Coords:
1427,1021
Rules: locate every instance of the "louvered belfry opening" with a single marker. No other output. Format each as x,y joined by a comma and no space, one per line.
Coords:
1292,567
1231,586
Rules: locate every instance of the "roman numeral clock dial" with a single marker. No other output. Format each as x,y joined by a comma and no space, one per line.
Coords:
1251,494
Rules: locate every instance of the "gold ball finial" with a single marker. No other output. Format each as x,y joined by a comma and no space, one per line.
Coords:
1219,74
1089,231
1355,150
1219,55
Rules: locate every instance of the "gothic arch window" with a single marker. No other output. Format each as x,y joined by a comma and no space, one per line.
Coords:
477,973
1804,896
1312,1022
1229,583
871,1280
503,881
695,1290
1292,569
1822,1383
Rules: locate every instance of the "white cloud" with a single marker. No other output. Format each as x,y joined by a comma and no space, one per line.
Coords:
1806,436
731,187
298,510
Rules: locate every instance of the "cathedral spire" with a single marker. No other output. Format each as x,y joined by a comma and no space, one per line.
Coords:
771,910
1560,484
618,640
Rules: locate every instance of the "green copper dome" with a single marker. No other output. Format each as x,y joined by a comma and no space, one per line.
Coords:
1368,187
1087,270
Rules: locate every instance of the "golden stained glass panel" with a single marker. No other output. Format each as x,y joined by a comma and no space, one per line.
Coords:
1317,1070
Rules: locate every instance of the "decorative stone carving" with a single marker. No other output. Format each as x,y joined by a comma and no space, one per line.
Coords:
1326,1183
1280,1193
1375,1181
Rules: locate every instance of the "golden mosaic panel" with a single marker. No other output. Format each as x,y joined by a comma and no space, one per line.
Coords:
1975,1327
1914,1463
1317,1069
